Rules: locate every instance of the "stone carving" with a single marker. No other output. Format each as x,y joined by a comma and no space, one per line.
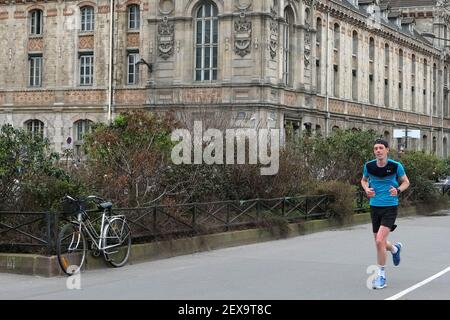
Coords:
273,35
166,36
307,47
243,4
242,36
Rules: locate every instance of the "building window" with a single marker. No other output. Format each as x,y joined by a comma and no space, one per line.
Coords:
206,44
133,14
424,143
318,55
288,50
36,23
319,31
355,84
386,55
355,44
371,50
445,147
386,92
35,70
35,128
425,72
434,89
336,80
371,89
337,36
434,145
400,79
87,18
413,83
132,68
86,69
81,128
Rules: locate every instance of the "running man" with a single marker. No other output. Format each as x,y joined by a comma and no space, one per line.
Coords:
383,180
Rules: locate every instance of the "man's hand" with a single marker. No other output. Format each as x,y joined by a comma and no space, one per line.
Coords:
393,191
370,192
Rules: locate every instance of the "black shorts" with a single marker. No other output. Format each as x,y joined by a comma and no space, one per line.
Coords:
383,216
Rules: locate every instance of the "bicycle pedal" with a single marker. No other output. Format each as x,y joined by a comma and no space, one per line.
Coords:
96,253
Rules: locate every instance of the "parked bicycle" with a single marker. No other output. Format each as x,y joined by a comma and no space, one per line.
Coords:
108,234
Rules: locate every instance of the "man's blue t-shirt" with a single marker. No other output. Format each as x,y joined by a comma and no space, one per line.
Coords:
381,180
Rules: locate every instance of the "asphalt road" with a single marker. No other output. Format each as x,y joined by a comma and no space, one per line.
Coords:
325,265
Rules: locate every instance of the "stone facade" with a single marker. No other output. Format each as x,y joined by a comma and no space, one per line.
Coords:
279,62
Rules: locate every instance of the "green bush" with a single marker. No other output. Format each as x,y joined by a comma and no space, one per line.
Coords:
343,194
30,178
423,170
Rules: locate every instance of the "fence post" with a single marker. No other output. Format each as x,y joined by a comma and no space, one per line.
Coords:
258,209
283,211
48,218
227,227
306,208
154,219
193,217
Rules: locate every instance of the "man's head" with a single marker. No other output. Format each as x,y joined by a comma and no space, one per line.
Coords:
381,149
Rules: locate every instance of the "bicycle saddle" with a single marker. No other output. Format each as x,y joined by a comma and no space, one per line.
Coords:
105,205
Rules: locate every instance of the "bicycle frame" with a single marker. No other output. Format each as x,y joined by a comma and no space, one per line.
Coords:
98,238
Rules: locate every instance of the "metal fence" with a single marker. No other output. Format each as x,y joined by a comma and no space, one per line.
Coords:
36,231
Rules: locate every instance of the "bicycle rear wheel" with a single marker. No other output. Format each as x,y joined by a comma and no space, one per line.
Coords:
117,242
71,248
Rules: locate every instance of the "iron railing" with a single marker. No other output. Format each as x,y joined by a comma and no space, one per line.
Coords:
36,231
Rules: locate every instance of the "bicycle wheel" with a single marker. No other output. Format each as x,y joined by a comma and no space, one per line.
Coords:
71,249
117,242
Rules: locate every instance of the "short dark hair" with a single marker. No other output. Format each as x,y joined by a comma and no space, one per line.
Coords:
383,142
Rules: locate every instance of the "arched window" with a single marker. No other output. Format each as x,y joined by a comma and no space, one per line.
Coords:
424,143
133,14
87,18
206,44
425,85
371,49
81,127
336,44
36,22
288,46
434,145
445,147
386,75
400,79
413,83
35,127
355,45
387,136
318,55
337,36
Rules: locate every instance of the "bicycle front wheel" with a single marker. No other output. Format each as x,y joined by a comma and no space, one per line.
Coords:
117,242
71,248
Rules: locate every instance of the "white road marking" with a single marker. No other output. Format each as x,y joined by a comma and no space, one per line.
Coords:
414,287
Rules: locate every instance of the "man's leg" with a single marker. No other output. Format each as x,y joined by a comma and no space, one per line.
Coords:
382,244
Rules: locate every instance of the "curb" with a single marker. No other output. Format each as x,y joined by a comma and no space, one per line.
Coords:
47,266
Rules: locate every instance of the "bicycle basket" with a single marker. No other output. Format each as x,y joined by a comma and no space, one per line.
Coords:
69,206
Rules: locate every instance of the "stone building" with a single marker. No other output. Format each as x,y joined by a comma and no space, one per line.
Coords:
307,64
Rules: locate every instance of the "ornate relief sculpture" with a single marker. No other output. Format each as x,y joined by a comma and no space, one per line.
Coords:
166,36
